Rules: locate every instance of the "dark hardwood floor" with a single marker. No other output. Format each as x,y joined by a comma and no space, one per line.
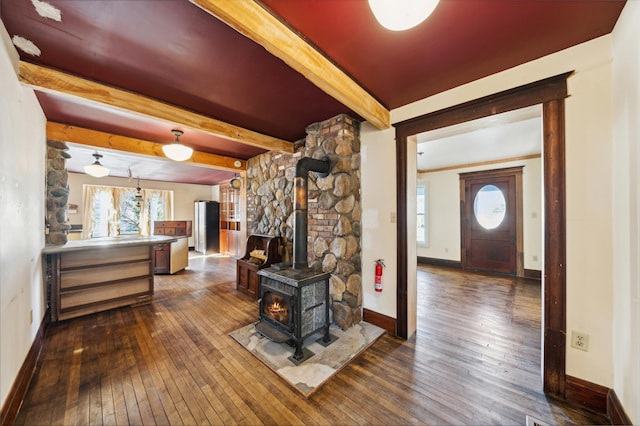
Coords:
474,360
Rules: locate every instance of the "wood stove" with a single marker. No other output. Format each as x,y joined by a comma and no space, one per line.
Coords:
294,305
294,301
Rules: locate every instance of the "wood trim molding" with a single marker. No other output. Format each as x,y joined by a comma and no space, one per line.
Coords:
533,274
440,262
555,246
254,21
534,93
18,390
597,398
615,410
53,81
385,322
81,135
402,273
481,163
586,394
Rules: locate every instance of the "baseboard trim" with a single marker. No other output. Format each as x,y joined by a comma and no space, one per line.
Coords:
586,394
615,410
382,321
440,262
533,274
600,399
18,390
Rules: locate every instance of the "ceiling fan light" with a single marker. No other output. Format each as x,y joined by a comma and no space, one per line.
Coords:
400,15
177,151
96,169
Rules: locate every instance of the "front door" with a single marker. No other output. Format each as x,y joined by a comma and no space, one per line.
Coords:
489,220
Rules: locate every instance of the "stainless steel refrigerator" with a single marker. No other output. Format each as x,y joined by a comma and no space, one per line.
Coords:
206,232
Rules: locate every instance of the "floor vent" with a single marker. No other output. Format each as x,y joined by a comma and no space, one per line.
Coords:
532,421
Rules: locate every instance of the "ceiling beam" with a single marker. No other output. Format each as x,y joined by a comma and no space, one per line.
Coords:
57,82
83,136
252,20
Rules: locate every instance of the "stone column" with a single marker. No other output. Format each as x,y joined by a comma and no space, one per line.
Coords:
334,209
57,192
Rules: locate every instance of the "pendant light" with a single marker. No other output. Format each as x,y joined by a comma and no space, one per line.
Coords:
400,15
138,196
96,169
177,151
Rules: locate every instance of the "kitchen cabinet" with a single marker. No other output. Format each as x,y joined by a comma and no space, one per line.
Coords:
172,257
88,276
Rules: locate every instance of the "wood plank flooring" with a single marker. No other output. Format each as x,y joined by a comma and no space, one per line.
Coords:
474,360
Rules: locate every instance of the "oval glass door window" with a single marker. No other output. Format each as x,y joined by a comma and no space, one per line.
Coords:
489,207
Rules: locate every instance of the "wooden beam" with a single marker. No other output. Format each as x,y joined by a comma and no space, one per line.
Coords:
53,81
80,135
252,20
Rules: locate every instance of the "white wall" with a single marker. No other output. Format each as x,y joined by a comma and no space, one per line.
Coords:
589,182
626,210
378,172
22,212
183,194
444,211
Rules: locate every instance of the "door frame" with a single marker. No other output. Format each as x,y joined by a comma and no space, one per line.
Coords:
550,93
516,172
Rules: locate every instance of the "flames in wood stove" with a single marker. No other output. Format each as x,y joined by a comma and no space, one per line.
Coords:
276,308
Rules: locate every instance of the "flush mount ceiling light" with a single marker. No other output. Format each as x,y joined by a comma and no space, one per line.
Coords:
96,169
176,151
400,15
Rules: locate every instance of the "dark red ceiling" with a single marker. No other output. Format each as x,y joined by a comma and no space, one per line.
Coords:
175,52
462,41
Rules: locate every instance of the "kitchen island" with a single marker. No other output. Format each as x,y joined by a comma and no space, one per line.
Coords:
93,275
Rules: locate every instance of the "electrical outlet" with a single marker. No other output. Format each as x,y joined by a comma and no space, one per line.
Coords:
535,258
580,340
394,218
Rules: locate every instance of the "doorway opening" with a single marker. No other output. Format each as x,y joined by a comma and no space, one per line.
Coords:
550,93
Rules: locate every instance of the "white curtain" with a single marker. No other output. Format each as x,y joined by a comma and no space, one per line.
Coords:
90,193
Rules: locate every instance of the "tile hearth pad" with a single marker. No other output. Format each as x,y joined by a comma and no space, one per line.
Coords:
327,361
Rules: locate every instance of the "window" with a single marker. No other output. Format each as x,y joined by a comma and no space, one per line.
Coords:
422,218
111,211
129,212
489,207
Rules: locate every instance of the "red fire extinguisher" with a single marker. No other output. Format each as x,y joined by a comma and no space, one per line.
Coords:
379,266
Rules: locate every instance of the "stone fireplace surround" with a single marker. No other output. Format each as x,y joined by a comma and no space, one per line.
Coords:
333,242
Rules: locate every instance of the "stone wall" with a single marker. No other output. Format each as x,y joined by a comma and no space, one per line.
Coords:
333,243
57,192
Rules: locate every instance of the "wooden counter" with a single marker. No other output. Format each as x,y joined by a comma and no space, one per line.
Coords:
88,276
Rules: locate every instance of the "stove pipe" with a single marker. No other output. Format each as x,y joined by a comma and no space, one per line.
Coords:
303,167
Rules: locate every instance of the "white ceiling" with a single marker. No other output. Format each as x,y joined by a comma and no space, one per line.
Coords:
144,167
508,135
